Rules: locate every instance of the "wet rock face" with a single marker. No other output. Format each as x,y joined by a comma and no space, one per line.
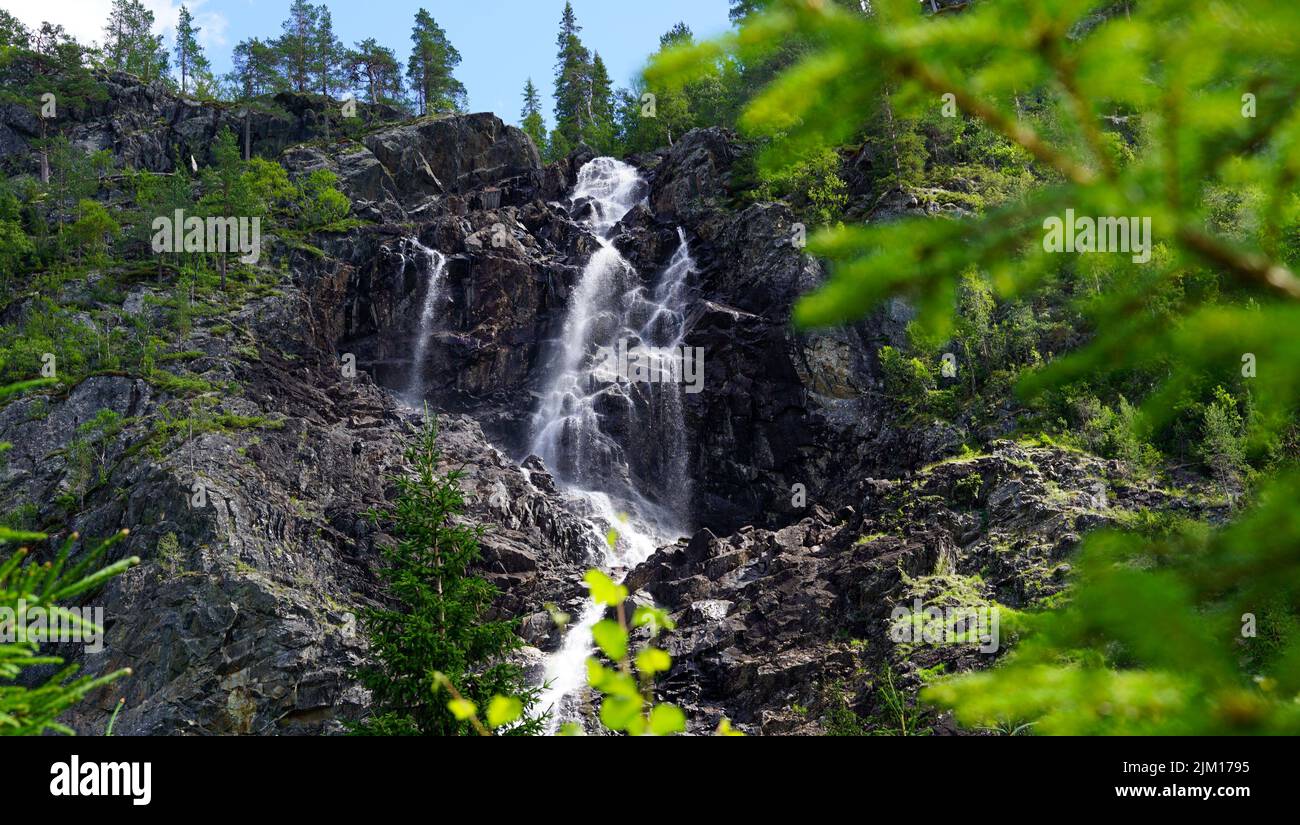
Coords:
456,155
777,630
784,414
781,411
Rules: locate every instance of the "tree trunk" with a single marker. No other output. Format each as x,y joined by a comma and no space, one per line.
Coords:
45,154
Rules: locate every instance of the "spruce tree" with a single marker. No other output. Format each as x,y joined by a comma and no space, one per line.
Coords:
572,82
226,189
672,115
600,108
530,117
438,622
1172,624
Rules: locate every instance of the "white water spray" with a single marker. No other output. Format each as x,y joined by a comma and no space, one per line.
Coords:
434,264
616,447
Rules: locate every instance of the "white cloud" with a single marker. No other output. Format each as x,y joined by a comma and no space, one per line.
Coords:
84,19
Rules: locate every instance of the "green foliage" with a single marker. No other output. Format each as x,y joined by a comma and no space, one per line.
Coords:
46,328
320,203
1153,639
86,457
130,44
430,69
572,80
375,67
908,381
900,718
295,50
13,34
254,68
584,95
437,635
93,231
31,711
530,117
1171,112
191,62
627,689
814,186
1223,445
17,252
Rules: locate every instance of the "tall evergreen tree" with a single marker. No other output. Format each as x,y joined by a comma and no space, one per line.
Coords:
130,44
190,60
296,46
433,60
227,191
439,623
600,108
530,117
572,83
329,54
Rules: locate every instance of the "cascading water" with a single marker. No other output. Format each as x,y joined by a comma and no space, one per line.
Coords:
616,446
434,265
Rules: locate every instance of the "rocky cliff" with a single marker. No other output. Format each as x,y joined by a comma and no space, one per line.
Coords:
249,514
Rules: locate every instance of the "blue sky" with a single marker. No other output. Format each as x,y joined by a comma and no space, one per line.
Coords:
502,42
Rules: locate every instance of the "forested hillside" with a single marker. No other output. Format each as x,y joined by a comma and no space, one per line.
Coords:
874,368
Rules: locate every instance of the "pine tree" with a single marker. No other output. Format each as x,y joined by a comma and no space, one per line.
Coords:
572,82
375,70
530,117
433,60
254,70
296,46
190,59
439,623
130,44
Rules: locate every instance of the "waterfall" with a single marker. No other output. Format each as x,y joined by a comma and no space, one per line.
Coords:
434,265
616,446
